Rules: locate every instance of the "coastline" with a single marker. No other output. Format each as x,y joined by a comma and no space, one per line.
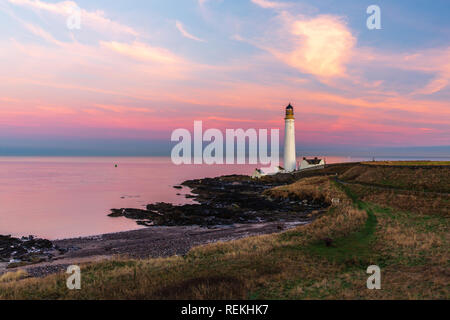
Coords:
150,242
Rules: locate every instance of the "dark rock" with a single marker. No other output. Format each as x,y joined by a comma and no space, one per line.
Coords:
224,201
116,213
61,250
25,250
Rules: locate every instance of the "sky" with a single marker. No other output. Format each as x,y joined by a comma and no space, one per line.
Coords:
134,71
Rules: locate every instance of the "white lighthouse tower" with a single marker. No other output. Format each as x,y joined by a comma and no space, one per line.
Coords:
290,158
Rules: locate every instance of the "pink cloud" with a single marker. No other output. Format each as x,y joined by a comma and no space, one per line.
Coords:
143,52
122,109
434,62
270,4
185,33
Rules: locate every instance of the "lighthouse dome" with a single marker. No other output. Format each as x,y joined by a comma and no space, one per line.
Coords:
289,112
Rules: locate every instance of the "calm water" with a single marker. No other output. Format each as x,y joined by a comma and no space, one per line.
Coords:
69,197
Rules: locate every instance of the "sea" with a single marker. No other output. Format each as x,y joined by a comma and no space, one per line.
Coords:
66,197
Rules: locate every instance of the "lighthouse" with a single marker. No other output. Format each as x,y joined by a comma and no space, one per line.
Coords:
290,159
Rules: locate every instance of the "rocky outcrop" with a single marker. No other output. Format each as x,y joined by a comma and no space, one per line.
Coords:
224,201
26,250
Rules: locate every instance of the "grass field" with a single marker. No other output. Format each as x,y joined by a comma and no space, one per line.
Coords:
408,163
410,247
434,179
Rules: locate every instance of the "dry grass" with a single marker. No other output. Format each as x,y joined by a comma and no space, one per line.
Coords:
416,202
433,179
340,221
13,276
314,188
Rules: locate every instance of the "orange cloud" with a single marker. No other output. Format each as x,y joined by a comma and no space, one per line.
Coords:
434,86
121,109
143,52
57,110
323,47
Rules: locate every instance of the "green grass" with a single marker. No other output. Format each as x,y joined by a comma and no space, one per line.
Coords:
354,250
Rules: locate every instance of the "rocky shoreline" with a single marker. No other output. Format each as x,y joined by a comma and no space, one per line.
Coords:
225,201
144,243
